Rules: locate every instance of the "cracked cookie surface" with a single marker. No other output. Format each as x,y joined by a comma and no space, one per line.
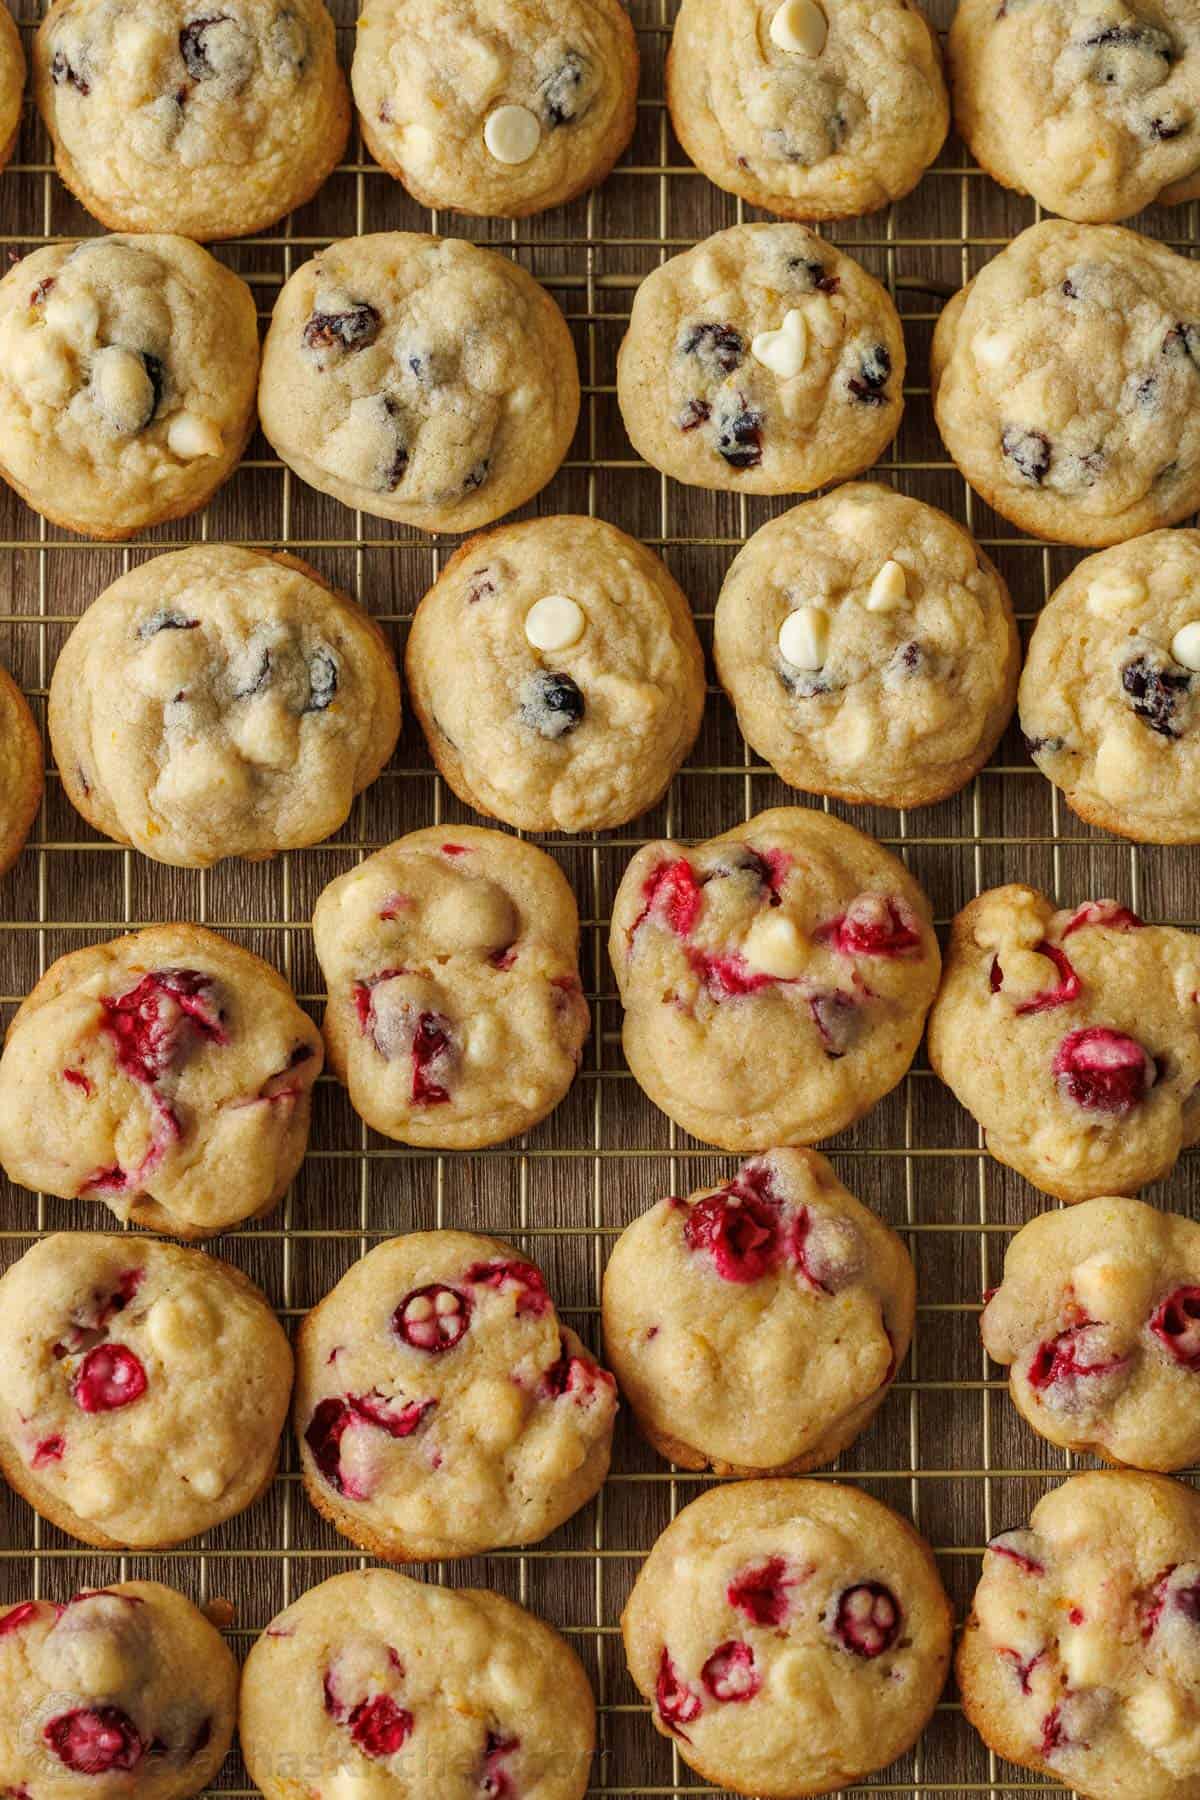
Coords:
21,777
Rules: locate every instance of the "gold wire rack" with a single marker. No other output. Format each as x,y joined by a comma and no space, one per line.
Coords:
947,1449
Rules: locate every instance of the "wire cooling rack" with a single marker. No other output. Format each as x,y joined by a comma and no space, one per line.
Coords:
947,1449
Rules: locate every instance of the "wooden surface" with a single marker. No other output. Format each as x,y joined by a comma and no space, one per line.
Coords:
948,1449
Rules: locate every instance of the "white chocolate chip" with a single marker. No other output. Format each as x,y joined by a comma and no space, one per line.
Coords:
1111,595
783,351
512,134
804,637
554,622
122,389
888,589
993,349
188,435
775,946
206,1481
1185,645
800,27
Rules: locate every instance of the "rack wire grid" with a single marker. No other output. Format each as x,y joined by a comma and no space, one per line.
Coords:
947,1449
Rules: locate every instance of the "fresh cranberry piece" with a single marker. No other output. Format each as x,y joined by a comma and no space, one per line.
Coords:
1176,1324
1024,1669
826,1250
399,1418
1069,985
379,1727
873,925
1102,912
761,1591
867,1620
728,975
496,1783
740,1233
1063,1359
95,1740
731,1673
578,1376
78,1079
673,895
838,1019
330,1421
433,1318
678,1704
109,1376
1017,1547
50,1450
431,1046
153,1024
1103,1070
532,1297
19,1616
1054,1732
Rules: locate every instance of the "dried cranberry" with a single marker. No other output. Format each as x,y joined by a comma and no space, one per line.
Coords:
193,46
166,620
719,346
814,274
322,680
562,89
379,1727
109,1377
1156,692
742,1235
551,704
1103,1070
838,1019
1183,340
62,73
94,1740
1029,451
354,329
739,437
869,386
761,1591
678,1704
1176,1324
433,1318
731,1672
532,1298
696,412
1131,37
867,1619
1068,989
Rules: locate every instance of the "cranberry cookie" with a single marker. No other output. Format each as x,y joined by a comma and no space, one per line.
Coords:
455,1016
1081,1657
124,1690
145,1388
442,1407
755,1327
420,379
496,107
557,675
775,980
372,1684
127,373
167,1073
791,1636
217,702
1108,702
763,361
12,85
1092,111
1074,1039
1098,1322
1066,383
814,111
20,770
176,116
869,647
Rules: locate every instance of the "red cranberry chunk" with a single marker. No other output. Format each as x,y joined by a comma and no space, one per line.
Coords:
838,1019
354,329
50,1450
1176,1324
154,1024
874,925
95,1740
399,1418
110,1376
1102,912
761,1592
673,896
328,1425
1064,1359
1103,1070
496,1783
731,1672
728,975
867,1619
826,1250
432,1044
739,1233
433,1318
379,1727
1068,988
1019,1547
19,1616
677,1703
532,1297
577,1376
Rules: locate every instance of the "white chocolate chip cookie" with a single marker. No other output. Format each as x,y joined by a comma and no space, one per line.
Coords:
176,115
167,1073
814,109
217,702
12,85
496,107
145,1388
557,674
455,1014
1066,381
20,770
763,361
869,647
420,379
127,375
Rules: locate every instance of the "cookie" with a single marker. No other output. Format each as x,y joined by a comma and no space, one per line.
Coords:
1066,381
775,980
170,116
1082,1655
869,647
496,107
791,1636
557,675
146,1388
167,1073
763,361
124,1690
755,1327
420,379
127,373
12,85
217,702
372,1684
1072,1037
1093,111
811,111
456,1016
1098,1322
1107,695
21,779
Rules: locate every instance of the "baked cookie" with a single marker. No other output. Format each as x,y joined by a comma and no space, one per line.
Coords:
814,111
557,675
442,1408
167,1073
1107,696
1098,1322
145,1388
372,1684
763,361
1066,381
791,1636
1093,111
127,372
12,85
420,379
775,980
456,1016
217,702
1074,1039
1081,1658
755,1327
20,770
167,115
869,647
124,1690
496,107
